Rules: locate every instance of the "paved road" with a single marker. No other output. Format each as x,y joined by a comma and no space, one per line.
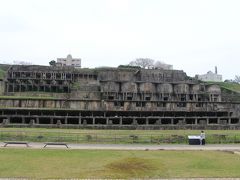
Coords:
220,147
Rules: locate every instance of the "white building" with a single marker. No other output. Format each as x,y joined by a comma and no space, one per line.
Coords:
69,61
210,76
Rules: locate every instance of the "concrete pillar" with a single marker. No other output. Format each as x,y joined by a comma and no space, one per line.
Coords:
93,121
134,121
195,121
6,121
51,120
23,120
107,120
159,121
7,88
207,121
184,121
79,120
65,120
172,121
32,122
59,123
120,121
218,120
147,121
84,122
37,120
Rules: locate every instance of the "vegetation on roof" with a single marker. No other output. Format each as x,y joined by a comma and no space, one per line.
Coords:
27,97
129,66
2,73
235,87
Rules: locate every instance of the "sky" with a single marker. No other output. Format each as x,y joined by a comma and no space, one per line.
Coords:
192,35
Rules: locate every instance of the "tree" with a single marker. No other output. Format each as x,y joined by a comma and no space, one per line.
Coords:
52,63
143,62
237,79
22,62
162,65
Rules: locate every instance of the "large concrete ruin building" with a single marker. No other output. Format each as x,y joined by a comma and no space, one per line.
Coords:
117,98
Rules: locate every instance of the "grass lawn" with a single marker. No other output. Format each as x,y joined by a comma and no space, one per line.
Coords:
32,163
120,132
116,136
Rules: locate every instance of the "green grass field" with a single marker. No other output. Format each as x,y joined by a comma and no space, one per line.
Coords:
29,163
116,136
228,85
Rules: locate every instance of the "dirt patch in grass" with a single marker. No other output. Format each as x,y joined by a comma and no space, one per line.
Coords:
131,166
227,151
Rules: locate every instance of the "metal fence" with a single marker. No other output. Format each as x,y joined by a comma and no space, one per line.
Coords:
49,136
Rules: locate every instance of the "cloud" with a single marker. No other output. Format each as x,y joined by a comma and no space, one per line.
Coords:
13,24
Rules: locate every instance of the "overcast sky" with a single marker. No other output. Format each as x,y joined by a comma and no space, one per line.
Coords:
193,36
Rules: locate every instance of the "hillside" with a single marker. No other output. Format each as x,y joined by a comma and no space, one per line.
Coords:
3,70
228,86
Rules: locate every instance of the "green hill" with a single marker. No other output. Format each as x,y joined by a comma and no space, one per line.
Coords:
235,87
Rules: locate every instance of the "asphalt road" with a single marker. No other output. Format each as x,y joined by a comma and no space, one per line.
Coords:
220,147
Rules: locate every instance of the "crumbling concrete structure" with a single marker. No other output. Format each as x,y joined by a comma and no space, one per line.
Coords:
114,98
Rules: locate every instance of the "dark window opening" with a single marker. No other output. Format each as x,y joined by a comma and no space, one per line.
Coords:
111,97
41,88
115,121
190,97
65,89
147,98
28,74
68,76
181,104
38,75
44,121
53,89
27,120
141,121
190,121
55,121
165,98
166,121
58,76
138,104
159,104
116,103
234,121
127,121
48,75
152,121
15,120
35,88
47,89
100,121
199,105
175,121
183,97
213,121
129,98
